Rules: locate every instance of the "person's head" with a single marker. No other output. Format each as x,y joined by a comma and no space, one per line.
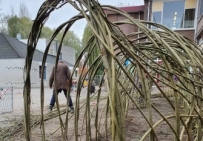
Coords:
61,61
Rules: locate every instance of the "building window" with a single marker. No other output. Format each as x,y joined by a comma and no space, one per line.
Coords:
40,72
173,14
156,17
189,18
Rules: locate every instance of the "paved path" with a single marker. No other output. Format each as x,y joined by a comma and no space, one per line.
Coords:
35,101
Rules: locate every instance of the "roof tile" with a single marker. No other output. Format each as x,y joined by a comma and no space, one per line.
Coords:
11,48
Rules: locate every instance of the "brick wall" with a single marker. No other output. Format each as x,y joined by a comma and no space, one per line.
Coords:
187,33
11,73
126,28
146,8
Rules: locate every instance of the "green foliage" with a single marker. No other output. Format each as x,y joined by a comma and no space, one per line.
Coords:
22,24
46,32
13,26
3,21
19,23
86,36
25,27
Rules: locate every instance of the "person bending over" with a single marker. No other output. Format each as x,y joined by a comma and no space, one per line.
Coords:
63,75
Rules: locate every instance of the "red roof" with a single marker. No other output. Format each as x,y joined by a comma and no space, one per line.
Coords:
128,9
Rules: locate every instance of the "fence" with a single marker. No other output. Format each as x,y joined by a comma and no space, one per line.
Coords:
6,99
97,79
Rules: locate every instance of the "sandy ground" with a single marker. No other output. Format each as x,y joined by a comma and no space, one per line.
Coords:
18,102
134,122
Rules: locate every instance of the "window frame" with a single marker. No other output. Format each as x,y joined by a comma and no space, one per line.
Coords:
152,19
194,18
45,71
183,13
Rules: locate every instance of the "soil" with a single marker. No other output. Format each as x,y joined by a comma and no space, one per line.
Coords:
135,124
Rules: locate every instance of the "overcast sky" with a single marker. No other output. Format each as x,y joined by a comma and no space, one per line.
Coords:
61,15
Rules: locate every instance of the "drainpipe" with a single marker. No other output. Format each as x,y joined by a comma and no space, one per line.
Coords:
148,8
196,19
139,28
148,13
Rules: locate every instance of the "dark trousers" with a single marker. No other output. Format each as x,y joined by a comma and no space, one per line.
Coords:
65,93
92,89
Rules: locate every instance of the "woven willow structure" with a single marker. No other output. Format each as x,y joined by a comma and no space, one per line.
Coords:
181,59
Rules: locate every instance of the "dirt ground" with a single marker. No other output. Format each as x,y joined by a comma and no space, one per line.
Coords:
135,124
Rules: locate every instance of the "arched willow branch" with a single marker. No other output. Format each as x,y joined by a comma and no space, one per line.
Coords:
180,58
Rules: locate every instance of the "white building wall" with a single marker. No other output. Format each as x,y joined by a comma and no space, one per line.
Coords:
68,54
53,47
41,44
11,73
35,76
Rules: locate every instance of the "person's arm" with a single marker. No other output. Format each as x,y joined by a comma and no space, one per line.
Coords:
51,79
68,74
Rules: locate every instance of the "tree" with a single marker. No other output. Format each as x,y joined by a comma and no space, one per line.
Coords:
25,27
19,24
13,26
22,24
23,11
46,32
86,37
3,22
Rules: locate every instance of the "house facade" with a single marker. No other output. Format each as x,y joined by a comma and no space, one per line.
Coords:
12,60
11,73
182,16
178,15
67,53
136,12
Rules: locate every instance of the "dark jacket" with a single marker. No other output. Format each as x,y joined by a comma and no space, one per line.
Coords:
63,74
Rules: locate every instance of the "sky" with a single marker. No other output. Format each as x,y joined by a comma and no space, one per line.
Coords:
61,15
